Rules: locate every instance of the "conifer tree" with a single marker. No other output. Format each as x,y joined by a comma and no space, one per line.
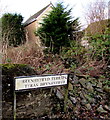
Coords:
12,29
56,29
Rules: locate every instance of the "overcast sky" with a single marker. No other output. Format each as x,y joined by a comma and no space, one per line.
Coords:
29,7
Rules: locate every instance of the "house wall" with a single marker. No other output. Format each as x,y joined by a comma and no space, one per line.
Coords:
31,28
40,18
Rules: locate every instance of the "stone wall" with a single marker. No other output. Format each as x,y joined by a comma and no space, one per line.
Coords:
88,97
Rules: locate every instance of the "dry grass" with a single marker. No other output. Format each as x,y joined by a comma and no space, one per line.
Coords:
22,54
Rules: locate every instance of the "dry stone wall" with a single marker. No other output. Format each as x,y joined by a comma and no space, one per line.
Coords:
88,97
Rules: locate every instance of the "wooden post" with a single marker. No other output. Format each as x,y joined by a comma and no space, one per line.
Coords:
66,95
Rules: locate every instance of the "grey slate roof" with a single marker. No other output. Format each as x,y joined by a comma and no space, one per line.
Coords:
34,17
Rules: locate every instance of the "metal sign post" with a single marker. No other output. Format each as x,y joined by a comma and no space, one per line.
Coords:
66,95
14,112
24,83
14,101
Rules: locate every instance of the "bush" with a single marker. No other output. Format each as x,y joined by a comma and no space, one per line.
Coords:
100,47
74,56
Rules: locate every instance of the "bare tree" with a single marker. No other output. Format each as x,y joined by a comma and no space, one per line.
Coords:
109,10
96,11
3,47
0,31
95,16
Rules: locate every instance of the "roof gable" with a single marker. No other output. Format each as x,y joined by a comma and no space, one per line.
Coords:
36,15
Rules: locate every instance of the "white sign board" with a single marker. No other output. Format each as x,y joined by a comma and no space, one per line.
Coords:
23,83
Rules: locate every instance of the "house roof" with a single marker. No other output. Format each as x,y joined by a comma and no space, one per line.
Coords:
35,16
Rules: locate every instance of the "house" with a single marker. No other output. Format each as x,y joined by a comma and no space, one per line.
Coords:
32,24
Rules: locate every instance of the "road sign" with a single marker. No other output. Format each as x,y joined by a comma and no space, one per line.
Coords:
32,82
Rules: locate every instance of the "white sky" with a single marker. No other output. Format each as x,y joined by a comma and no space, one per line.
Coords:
29,7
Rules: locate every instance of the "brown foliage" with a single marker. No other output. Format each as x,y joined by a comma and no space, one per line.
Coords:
31,54
93,68
19,55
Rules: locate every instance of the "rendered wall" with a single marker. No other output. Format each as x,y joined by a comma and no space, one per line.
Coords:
31,28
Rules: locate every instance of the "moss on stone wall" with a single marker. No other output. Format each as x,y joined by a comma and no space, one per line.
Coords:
9,71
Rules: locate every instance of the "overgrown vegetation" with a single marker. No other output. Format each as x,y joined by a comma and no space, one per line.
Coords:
89,88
